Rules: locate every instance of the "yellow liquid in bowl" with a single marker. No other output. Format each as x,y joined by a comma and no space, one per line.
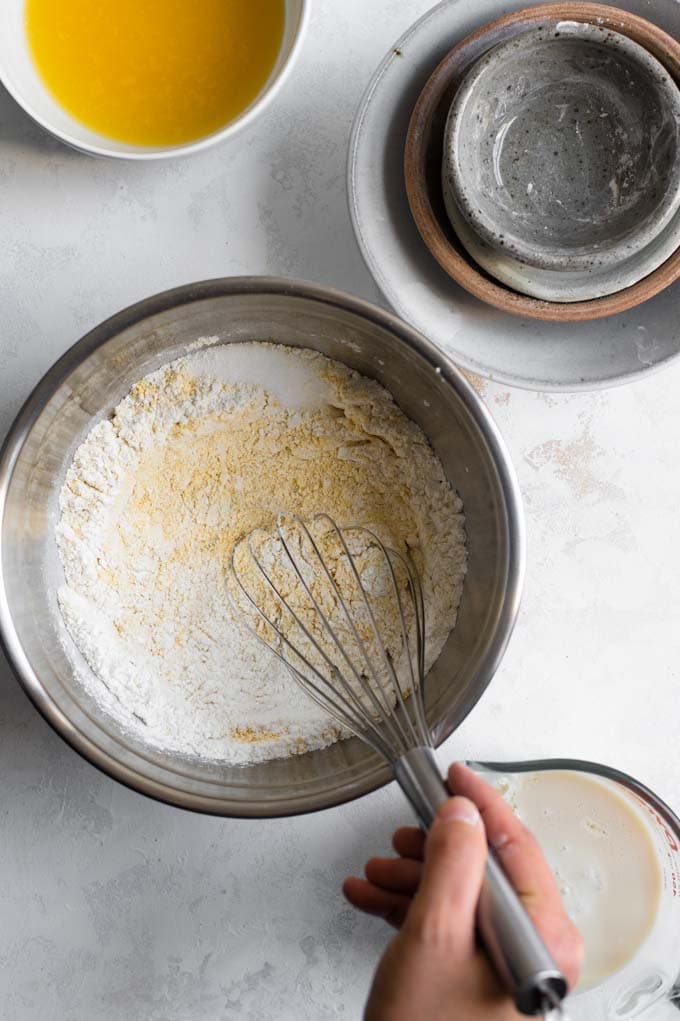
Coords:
155,72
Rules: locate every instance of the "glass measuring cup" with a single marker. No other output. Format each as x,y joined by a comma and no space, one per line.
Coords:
648,985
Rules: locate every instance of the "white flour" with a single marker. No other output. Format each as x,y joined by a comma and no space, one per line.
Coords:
198,454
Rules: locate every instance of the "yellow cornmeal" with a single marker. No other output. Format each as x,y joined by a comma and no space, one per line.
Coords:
218,478
191,461
155,72
249,735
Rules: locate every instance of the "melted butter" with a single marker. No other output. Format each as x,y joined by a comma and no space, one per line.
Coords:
155,72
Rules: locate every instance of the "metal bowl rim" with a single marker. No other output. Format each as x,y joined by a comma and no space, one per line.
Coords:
279,286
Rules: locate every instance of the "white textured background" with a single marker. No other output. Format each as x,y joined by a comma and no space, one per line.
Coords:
114,907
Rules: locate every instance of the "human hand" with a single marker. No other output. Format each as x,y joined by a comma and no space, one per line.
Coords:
433,968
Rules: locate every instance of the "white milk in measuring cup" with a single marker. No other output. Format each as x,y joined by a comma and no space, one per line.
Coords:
614,849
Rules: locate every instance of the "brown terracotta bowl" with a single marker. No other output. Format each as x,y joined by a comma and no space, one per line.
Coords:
423,160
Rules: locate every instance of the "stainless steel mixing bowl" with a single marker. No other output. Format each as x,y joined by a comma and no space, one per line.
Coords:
87,383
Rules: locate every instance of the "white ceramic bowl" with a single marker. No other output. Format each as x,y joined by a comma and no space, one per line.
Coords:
21,79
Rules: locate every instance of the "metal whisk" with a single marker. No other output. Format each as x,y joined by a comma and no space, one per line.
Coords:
346,614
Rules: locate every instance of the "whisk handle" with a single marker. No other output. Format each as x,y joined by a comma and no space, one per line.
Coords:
510,939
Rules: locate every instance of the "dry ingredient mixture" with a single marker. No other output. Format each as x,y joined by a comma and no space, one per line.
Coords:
198,454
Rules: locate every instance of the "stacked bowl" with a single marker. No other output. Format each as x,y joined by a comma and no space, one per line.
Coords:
542,161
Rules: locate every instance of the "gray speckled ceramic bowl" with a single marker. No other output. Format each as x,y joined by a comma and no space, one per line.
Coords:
522,349
559,285
561,148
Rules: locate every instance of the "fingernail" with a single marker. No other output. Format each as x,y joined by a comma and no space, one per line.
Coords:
459,810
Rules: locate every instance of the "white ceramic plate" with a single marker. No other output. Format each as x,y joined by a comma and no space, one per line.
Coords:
519,352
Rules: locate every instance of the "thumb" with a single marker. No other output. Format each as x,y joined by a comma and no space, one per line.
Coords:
455,854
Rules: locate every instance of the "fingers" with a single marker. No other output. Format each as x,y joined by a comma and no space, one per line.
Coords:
526,868
444,903
409,842
401,875
517,849
443,910
373,900
388,889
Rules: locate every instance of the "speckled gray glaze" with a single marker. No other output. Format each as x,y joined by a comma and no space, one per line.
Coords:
561,148
561,285
507,349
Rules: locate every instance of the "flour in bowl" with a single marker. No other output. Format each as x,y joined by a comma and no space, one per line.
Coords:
197,455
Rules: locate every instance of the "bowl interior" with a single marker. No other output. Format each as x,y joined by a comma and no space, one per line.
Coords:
20,77
562,147
87,384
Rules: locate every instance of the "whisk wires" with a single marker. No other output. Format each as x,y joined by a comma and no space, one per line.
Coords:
323,599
